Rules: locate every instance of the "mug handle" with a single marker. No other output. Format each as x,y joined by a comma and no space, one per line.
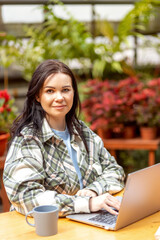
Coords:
33,225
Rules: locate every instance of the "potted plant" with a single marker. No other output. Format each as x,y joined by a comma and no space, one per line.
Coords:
118,106
147,108
7,115
99,99
125,89
109,105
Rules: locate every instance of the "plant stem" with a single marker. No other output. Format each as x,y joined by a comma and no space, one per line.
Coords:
5,78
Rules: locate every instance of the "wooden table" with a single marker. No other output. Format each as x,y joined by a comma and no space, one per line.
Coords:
133,144
3,195
14,226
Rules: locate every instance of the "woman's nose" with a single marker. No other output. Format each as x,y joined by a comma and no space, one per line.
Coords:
58,96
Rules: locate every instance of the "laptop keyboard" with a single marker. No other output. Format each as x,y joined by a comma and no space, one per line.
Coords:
105,217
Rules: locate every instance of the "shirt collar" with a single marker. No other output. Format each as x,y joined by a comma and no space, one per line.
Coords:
43,135
47,132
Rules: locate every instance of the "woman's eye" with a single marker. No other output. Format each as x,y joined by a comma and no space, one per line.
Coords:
49,91
65,90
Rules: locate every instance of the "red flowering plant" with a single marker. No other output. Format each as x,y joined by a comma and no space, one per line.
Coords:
7,111
125,91
99,99
147,105
110,104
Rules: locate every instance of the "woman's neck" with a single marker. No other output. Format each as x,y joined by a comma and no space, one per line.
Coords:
57,124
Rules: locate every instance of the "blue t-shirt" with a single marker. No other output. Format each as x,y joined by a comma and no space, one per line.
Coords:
65,135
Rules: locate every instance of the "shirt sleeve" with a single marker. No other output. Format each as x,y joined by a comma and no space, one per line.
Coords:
110,174
24,180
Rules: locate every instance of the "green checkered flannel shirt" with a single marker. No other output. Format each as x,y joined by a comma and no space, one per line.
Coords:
38,170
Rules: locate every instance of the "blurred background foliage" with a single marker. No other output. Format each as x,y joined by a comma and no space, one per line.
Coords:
71,41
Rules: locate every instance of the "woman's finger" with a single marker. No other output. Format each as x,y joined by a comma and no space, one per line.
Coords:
110,210
112,202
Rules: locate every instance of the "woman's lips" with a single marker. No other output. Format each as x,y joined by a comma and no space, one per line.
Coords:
59,107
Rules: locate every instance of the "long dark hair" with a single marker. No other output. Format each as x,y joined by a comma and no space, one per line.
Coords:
33,111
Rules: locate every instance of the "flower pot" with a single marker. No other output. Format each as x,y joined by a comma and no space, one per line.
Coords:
118,131
148,132
104,133
3,142
129,132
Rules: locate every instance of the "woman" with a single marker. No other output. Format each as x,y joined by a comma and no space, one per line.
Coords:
54,158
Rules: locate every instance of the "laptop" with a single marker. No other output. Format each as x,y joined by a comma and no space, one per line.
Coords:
141,198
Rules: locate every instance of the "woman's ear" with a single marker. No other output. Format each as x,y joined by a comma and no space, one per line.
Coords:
37,98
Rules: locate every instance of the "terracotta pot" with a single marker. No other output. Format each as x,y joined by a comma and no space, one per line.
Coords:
3,142
118,131
148,132
129,132
104,133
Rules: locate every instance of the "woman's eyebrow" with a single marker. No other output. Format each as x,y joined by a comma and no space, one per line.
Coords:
69,86
49,87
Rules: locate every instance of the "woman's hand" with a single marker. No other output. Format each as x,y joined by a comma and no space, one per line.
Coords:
105,201
86,192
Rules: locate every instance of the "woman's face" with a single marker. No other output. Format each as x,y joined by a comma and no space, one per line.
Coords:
56,97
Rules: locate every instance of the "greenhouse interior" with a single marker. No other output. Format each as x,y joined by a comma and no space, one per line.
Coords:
113,49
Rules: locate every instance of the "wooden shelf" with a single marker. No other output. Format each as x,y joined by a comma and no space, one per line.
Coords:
133,144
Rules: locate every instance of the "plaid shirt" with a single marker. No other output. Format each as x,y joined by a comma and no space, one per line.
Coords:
38,170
